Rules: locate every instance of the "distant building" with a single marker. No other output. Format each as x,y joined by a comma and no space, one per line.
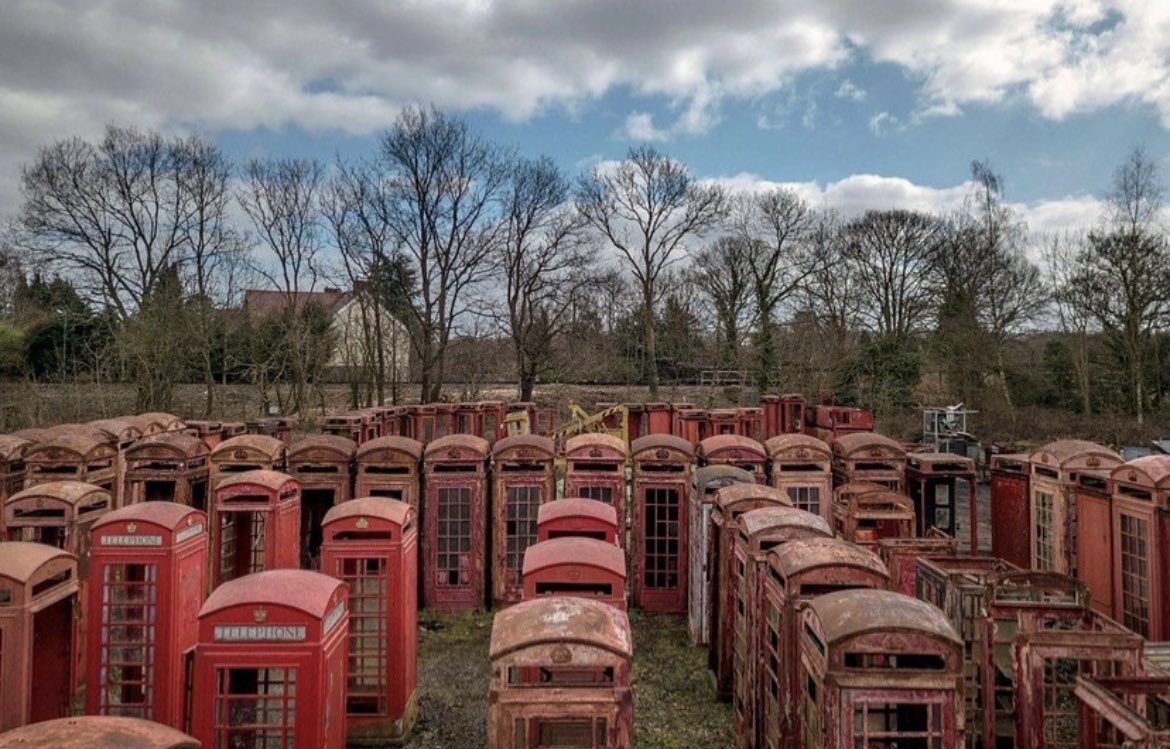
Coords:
351,314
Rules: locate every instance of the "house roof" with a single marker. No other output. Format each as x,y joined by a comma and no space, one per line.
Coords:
263,302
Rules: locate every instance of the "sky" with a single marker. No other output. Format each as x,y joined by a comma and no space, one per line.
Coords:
857,104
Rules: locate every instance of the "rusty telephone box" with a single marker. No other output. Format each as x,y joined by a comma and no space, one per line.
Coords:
389,467
1052,500
323,465
247,452
577,517
798,571
865,513
700,497
168,467
96,732
560,676
879,669
11,470
455,522
1011,526
124,433
371,544
523,479
734,450
901,555
576,566
74,453
1093,541
595,468
802,465
939,483
730,503
658,543
39,586
758,531
146,582
868,456
156,422
255,525
270,665
348,425
1129,712
211,432
691,424
1140,546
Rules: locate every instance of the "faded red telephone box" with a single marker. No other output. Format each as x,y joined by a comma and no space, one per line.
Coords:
11,470
255,525
211,432
38,591
1053,501
751,422
1141,545
60,513
730,503
74,453
1094,540
145,587
445,419
658,418
348,425
156,422
758,531
658,544
273,426
124,433
522,481
467,419
424,423
865,513
802,465
168,467
560,676
1011,526
584,518
270,666
700,497
247,452
574,566
323,465
389,467
938,483
96,732
901,555
491,420
455,524
690,424
595,468
734,450
371,544
869,456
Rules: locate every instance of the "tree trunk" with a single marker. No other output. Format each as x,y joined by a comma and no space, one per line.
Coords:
651,340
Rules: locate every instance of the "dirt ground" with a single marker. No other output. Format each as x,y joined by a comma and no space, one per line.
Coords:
674,704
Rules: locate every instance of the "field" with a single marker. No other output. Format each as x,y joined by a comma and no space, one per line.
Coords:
674,703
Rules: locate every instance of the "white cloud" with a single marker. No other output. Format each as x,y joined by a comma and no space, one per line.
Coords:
639,126
849,90
882,123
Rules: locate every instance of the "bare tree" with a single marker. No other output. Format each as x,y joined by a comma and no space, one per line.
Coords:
280,197
445,182
647,207
722,271
546,262
1062,256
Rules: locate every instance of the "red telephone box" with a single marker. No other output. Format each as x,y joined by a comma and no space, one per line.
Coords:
255,525
38,593
901,555
584,518
445,419
658,418
145,587
869,456
74,453
918,698
797,572
560,671
938,483
348,425
595,468
574,566
123,433
722,421
247,452
734,450
168,467
751,422
700,497
211,432
466,417
491,420
323,465
730,503
802,465
371,544
757,532
424,423
96,732
270,666
455,532
1053,501
1141,545
156,422
11,470
276,427
1011,526
691,425
389,467
522,480
658,547
865,513
1094,540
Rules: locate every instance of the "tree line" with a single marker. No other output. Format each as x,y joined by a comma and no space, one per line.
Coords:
130,253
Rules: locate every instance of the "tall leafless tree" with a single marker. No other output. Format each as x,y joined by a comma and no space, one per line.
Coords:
648,207
722,271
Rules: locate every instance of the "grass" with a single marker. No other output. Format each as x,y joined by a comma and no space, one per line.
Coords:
674,704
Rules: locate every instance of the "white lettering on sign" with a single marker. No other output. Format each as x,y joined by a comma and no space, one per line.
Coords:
186,533
131,540
247,633
333,617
